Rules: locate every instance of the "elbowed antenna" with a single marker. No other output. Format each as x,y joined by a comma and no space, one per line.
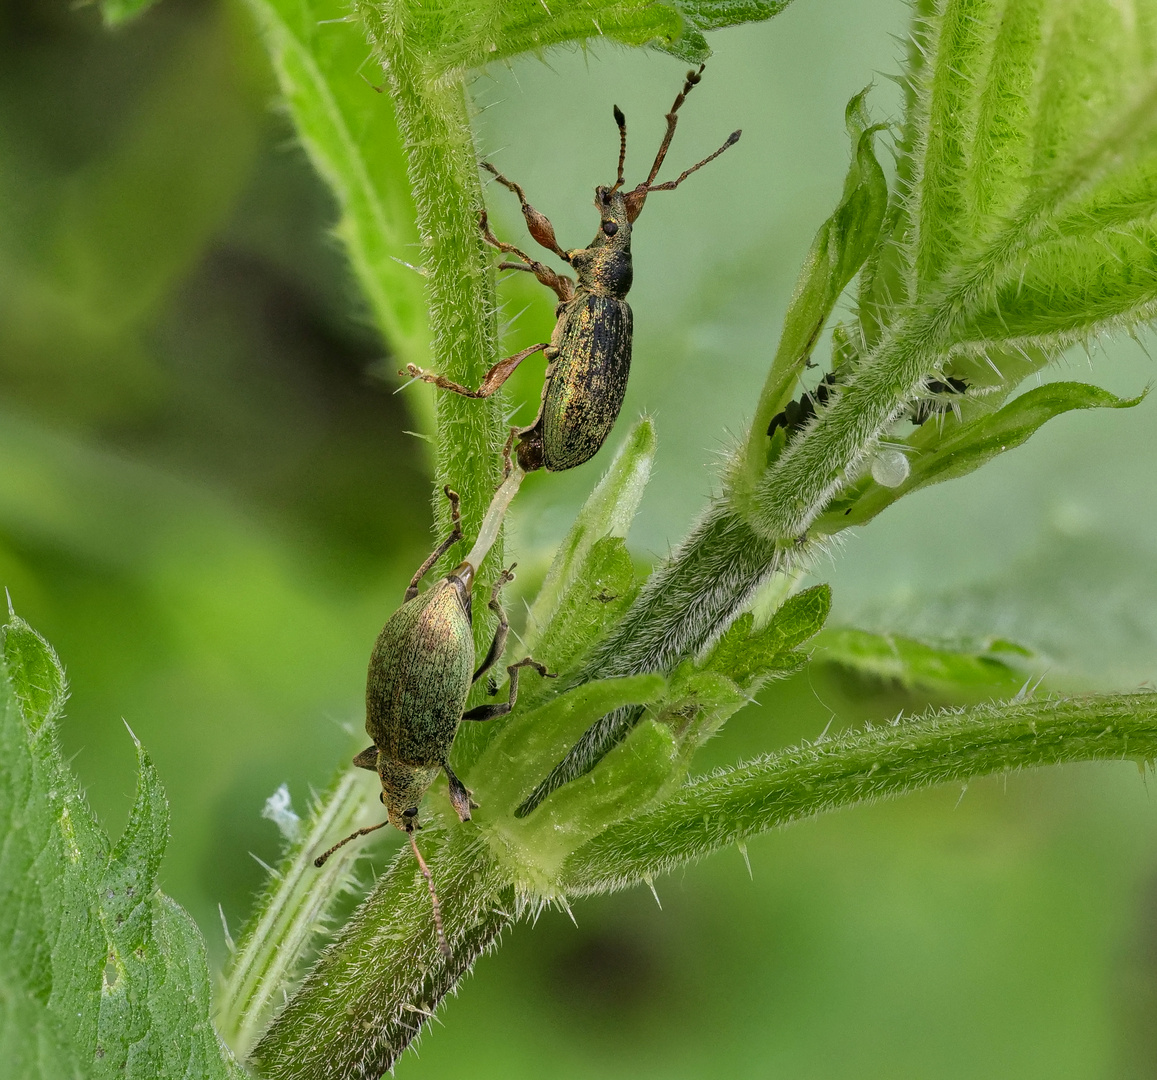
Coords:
637,196
443,947
621,120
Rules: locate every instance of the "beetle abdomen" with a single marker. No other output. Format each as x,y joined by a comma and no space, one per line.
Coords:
588,382
419,677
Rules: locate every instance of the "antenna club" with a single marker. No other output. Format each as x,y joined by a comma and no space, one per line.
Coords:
620,117
733,138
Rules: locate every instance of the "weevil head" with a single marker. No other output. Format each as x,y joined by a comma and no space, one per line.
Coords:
402,789
605,267
615,226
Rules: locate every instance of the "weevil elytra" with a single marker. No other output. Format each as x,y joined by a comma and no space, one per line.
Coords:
589,353
420,674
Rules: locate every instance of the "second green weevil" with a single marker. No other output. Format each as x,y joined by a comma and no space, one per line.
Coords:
589,353
420,674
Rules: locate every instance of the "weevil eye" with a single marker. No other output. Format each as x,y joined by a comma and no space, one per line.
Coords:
610,228
410,813
382,797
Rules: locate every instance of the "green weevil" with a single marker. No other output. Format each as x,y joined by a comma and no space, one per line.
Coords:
420,674
589,353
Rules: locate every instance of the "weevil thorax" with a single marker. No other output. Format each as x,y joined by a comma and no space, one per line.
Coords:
419,677
604,268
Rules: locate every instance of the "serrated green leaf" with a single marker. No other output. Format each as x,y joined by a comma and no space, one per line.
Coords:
608,511
918,665
32,1044
702,15
34,674
750,657
115,12
963,448
698,705
591,604
118,966
626,780
838,251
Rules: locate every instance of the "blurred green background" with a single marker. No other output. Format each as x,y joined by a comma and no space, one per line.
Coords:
209,504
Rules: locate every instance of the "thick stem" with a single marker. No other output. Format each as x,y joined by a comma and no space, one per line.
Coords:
382,978
433,118
371,990
859,768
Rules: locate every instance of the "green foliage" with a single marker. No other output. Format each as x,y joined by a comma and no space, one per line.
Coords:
1021,222
104,975
352,140
700,16
749,657
917,665
299,901
838,251
607,512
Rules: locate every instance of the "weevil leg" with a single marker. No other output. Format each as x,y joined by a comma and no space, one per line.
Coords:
495,377
459,795
507,464
490,712
562,286
368,759
537,223
498,645
442,548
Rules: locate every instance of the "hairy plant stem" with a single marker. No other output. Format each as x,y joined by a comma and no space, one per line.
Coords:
859,768
287,920
374,986
381,979
433,118
687,602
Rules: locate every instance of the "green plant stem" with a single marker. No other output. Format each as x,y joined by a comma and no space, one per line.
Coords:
859,768
295,904
433,119
382,978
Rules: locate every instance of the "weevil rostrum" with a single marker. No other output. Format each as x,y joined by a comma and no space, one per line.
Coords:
420,674
589,353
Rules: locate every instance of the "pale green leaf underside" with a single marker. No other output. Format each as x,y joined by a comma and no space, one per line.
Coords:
321,62
964,447
930,668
